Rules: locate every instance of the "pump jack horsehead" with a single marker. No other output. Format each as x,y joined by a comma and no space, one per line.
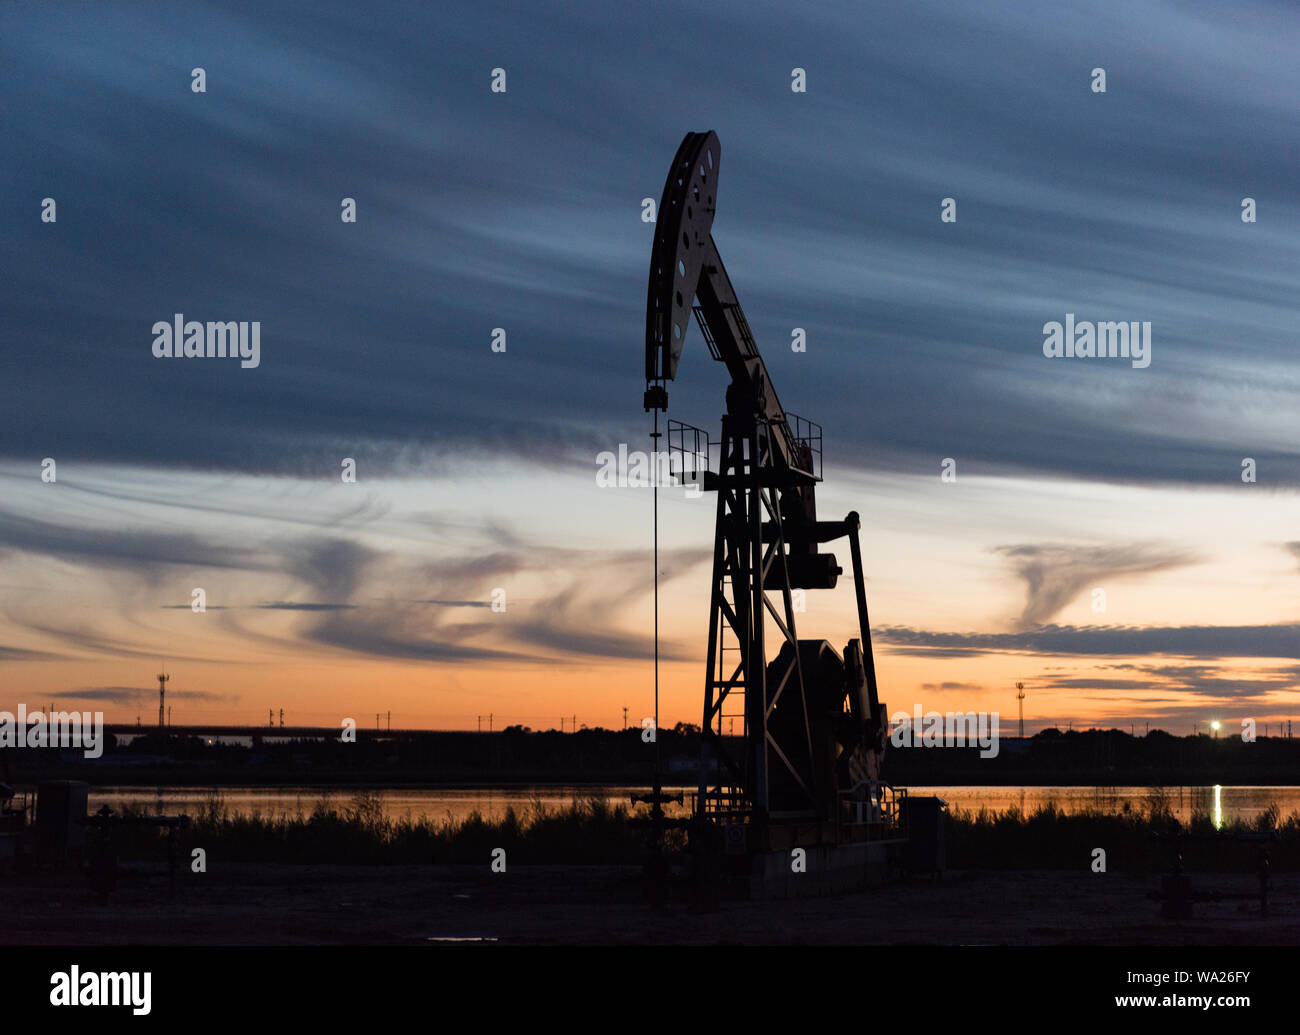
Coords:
814,727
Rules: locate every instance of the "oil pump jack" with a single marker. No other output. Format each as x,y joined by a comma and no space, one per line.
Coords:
807,768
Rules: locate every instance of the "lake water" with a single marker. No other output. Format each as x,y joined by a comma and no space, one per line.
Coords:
1223,803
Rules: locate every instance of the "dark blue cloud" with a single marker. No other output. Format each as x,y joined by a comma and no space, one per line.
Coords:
130,694
479,210
1192,641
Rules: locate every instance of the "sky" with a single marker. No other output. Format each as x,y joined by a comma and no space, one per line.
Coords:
523,210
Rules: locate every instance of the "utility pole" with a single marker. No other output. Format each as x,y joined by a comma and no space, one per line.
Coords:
270,717
376,722
281,718
489,722
162,693
390,722
1020,698
169,716
625,716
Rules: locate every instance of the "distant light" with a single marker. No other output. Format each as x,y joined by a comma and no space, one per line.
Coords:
1215,725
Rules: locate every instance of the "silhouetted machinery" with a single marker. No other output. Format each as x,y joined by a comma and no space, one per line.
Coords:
814,731
13,817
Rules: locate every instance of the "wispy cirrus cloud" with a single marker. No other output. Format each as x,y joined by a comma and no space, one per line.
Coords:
134,694
1152,232
1193,641
25,654
1055,574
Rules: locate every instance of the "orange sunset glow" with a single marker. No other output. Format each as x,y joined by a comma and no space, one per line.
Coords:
334,601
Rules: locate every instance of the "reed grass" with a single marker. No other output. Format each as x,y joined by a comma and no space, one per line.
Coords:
592,831
357,831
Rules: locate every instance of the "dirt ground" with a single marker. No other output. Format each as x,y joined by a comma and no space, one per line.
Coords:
354,905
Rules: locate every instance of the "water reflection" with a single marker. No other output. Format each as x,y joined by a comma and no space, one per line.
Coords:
1221,804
